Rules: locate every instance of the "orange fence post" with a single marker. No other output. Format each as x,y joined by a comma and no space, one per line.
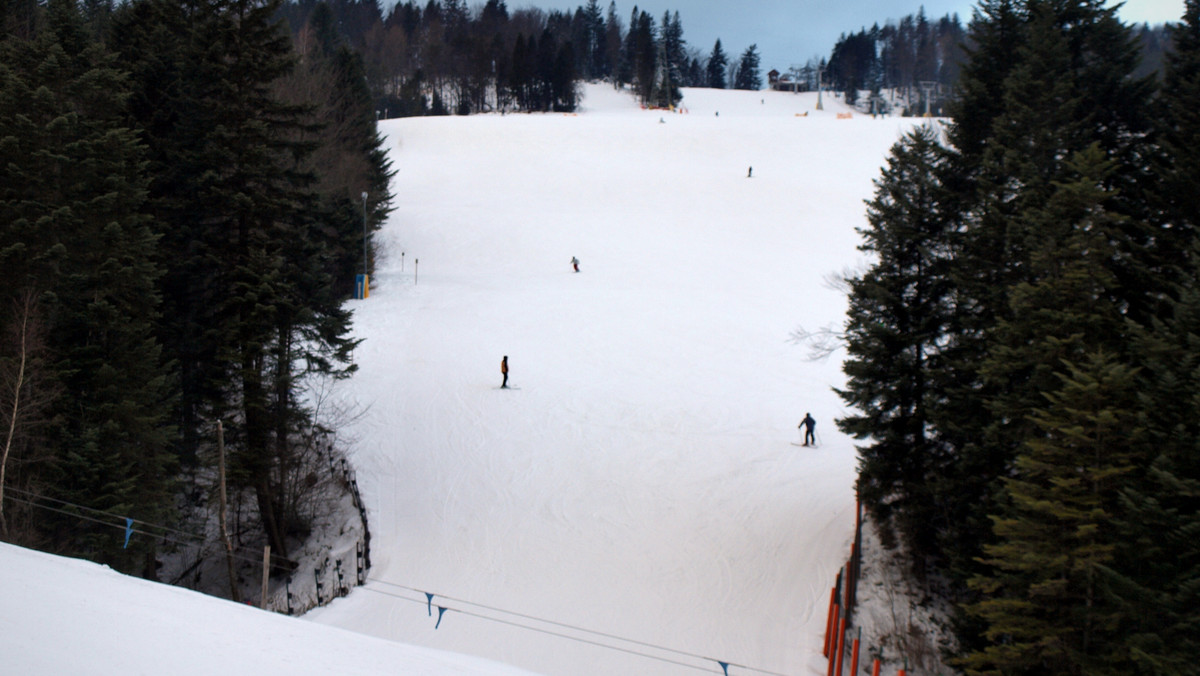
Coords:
875,668
832,652
854,654
829,617
846,591
841,651
852,573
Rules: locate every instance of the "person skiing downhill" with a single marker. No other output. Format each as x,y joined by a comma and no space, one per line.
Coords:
809,425
575,263
504,371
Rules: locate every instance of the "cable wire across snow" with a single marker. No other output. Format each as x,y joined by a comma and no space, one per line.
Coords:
709,660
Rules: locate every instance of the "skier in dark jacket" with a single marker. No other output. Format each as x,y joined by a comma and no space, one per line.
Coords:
504,371
809,426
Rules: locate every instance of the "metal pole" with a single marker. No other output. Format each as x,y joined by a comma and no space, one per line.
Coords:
364,198
820,87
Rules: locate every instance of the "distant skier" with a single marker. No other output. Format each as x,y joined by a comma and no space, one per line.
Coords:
750,173
575,263
809,426
504,371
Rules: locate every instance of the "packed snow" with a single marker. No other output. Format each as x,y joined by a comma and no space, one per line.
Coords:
637,500
635,503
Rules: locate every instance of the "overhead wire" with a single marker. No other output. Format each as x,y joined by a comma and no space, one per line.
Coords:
120,525
563,625
543,631
583,630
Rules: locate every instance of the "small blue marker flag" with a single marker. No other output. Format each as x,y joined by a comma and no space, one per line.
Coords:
441,611
128,531
429,603
724,667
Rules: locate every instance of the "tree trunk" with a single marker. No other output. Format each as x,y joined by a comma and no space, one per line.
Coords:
17,383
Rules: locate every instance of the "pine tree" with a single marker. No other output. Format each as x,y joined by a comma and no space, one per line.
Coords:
1156,575
897,320
1047,605
593,49
1054,542
1065,54
74,233
1156,578
1177,169
748,75
995,34
347,159
674,56
612,44
1163,526
717,63
248,294
641,53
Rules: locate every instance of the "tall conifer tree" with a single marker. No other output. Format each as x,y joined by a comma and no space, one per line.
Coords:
74,232
1009,154
717,63
250,306
897,320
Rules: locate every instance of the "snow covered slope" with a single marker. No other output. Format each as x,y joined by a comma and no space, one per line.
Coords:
636,504
62,616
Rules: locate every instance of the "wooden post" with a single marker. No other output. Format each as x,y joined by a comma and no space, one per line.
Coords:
233,585
266,574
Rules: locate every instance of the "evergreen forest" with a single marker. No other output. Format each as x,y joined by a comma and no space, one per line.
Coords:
185,196
187,190
1023,353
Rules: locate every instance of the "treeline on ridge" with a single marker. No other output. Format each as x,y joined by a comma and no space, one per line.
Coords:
442,57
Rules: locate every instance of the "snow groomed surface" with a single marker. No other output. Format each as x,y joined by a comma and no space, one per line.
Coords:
637,506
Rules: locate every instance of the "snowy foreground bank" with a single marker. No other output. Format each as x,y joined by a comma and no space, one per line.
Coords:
62,616
636,503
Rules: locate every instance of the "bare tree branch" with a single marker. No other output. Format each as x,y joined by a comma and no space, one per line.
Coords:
821,342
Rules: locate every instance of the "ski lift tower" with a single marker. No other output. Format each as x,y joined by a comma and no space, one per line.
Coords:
928,89
820,85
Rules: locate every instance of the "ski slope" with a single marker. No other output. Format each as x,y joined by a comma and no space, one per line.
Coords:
635,504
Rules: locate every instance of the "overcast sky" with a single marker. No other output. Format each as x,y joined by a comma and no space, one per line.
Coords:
790,32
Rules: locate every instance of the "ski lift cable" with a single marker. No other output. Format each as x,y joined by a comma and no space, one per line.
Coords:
565,626
120,524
